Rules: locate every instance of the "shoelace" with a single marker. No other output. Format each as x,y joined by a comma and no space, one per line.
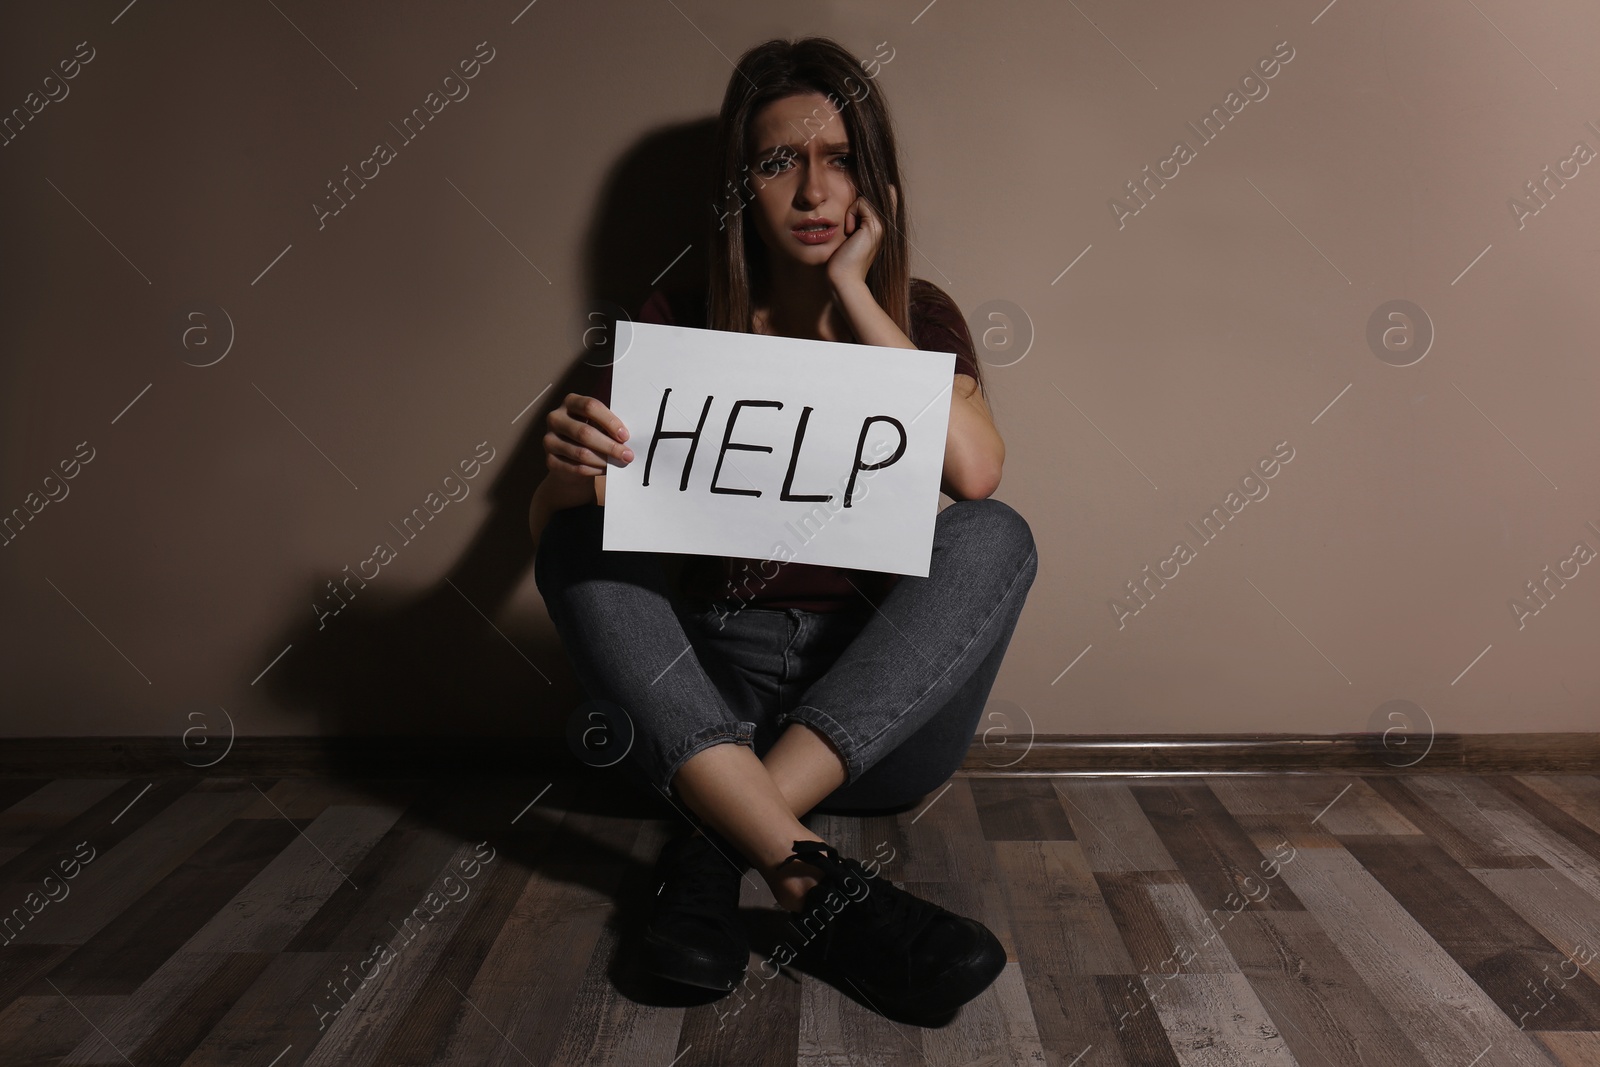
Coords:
886,905
697,881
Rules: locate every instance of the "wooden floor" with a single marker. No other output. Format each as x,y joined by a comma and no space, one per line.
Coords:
1320,920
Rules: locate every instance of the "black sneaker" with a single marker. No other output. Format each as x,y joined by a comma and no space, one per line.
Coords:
908,958
694,934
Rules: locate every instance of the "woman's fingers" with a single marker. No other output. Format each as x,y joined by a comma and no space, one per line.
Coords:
562,454
866,215
576,440
557,465
597,442
591,410
587,472
582,443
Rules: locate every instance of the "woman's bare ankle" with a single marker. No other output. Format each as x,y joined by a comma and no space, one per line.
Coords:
790,883
790,878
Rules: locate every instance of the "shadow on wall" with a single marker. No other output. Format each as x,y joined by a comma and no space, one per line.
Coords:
437,665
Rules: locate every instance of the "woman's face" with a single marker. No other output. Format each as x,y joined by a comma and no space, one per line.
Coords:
801,173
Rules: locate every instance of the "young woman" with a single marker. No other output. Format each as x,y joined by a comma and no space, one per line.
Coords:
808,687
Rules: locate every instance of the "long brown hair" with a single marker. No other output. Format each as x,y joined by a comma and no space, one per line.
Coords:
771,71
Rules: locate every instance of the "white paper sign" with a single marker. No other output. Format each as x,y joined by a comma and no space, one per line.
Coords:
774,448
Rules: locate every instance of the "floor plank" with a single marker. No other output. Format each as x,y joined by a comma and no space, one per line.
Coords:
1060,921
356,1036
1334,920
13,790
1221,863
273,906
1137,917
1576,794
131,947
1445,812
1217,1018
114,878
608,1027
1503,953
1551,814
1025,810
1111,827
997,1028
112,816
509,1013
1564,915
1509,821
1325,1011
1072,1020
1573,1049
1130,1002
1446,1015
118,1038
1338,804
276,1016
186,1026
52,805
40,1030
835,1031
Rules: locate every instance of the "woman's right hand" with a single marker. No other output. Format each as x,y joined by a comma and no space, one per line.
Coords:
583,434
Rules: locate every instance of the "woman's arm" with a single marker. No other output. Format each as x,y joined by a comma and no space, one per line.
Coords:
584,436
973,451
555,493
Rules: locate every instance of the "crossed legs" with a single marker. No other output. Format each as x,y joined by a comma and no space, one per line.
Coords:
618,625
757,803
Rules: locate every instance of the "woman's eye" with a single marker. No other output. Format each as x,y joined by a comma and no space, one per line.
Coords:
847,160
775,165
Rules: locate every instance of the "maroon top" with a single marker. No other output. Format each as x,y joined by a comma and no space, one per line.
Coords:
936,326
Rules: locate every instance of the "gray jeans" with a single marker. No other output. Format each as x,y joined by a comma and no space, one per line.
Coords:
897,687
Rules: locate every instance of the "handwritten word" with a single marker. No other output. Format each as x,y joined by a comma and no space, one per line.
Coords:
384,153
815,122
385,553
693,436
1270,869
1580,956
33,103
1538,190
1581,554
33,903
430,906
55,491
810,927
1254,90
1254,490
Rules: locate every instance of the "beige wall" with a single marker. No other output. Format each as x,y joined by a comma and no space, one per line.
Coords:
375,353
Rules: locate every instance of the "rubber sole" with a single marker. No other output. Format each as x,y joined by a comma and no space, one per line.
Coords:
666,960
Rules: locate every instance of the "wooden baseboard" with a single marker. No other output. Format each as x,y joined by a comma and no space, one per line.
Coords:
990,757
1136,754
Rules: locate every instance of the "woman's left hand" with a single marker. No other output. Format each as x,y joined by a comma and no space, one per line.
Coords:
864,230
